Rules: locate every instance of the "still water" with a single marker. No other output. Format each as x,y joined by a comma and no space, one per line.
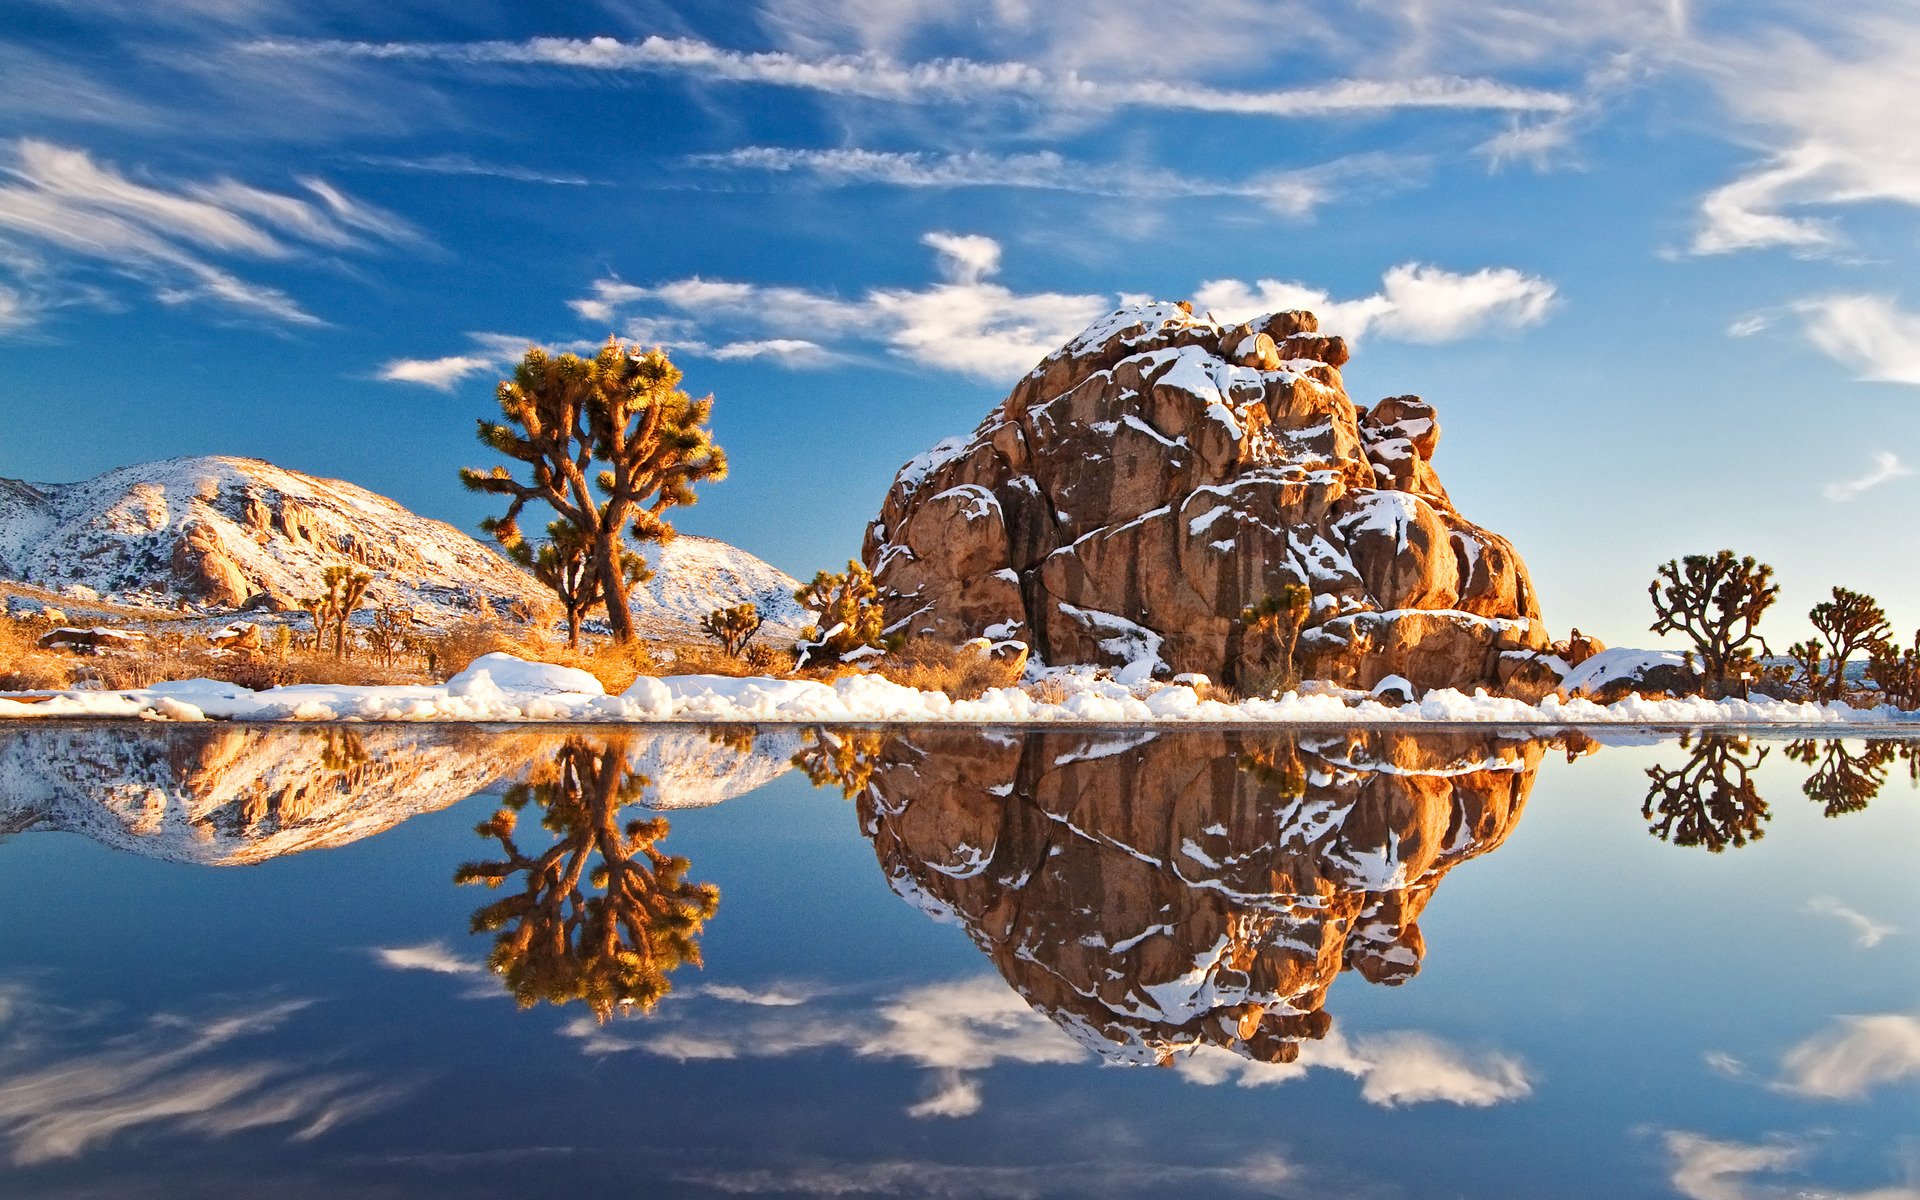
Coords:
413,961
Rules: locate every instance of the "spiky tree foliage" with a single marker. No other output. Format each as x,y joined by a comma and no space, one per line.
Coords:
1808,657
1716,601
611,443
1276,765
565,564
346,591
1842,781
1847,624
1711,801
844,758
847,616
1280,616
1895,670
604,916
733,627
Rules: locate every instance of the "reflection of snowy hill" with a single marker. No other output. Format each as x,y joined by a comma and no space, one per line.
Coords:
224,795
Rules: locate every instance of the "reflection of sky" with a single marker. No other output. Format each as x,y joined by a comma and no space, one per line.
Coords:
1599,1014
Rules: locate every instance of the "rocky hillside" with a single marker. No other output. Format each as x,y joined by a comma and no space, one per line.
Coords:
1160,473
225,532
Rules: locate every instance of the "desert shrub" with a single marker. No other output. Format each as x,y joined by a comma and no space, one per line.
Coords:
962,672
1048,689
24,667
848,617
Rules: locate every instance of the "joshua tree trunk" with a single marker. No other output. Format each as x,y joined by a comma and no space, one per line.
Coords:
613,587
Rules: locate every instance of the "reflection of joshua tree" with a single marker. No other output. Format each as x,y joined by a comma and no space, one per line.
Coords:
1842,781
1711,801
554,942
1276,765
843,758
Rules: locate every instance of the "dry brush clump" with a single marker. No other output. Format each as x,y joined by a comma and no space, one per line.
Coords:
962,672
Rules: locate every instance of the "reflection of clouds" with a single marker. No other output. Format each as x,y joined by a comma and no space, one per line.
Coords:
773,995
1857,1055
1867,932
1261,1174
55,1104
428,956
1706,1169
957,1029
1722,1063
1394,1069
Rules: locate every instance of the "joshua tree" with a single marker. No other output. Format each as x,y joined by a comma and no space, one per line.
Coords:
606,932
1716,601
844,758
1807,658
733,627
1842,781
1848,623
388,633
621,412
1896,672
346,591
1711,801
1281,616
564,562
848,616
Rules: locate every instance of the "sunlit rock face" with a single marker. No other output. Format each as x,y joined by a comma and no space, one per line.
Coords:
1155,895
1160,473
224,795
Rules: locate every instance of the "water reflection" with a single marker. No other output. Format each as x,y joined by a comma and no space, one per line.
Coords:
1711,800
1155,895
603,915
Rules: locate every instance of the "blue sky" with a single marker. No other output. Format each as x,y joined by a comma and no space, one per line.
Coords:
1651,260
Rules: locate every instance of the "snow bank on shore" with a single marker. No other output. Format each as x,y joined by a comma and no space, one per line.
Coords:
499,687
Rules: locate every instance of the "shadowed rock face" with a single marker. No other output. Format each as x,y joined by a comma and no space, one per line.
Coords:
1147,482
1155,894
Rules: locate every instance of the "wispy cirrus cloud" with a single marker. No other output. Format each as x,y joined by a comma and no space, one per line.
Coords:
465,164
83,214
59,1102
1871,335
1416,302
1868,932
488,354
1706,1168
1260,1174
1886,468
1852,1057
945,80
1292,193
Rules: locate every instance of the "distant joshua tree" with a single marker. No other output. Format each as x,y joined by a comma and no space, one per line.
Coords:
346,590
564,562
1711,801
1281,616
1895,670
1716,601
733,627
611,443
1847,624
848,616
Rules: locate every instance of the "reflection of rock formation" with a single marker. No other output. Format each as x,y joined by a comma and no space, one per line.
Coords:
226,795
603,915
1156,894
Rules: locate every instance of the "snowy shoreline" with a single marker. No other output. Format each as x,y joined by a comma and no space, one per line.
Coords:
500,689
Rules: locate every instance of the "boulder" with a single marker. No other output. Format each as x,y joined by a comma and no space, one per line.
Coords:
1147,482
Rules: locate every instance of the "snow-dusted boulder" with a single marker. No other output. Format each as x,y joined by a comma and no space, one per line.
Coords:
1147,482
518,677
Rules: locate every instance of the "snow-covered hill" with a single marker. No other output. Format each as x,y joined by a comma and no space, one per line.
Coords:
220,532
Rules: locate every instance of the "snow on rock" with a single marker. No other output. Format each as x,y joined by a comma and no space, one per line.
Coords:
1161,474
1619,664
512,690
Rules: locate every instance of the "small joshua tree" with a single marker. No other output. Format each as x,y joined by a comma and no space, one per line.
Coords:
733,627
1716,601
1807,658
346,591
1848,623
848,617
388,633
1281,616
1896,672
564,562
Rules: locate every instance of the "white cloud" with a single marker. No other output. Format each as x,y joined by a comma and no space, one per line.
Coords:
967,324
491,354
1855,1056
1264,1174
1705,1168
1292,193
1416,302
466,164
99,218
779,995
434,957
163,1078
1722,1063
1748,326
1833,111
1871,335
1886,468
945,80
1395,1068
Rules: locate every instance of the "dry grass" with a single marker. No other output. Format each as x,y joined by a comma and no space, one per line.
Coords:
24,667
961,672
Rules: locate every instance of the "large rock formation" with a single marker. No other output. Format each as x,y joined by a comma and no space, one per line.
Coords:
1144,484
1193,889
